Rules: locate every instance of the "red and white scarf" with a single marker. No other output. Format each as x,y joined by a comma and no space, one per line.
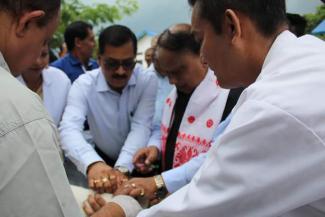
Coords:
202,115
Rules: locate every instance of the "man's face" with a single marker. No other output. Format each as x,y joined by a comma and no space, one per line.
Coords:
149,56
182,69
24,47
217,50
117,64
87,45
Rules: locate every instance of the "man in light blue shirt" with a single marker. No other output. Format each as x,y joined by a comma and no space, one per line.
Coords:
118,101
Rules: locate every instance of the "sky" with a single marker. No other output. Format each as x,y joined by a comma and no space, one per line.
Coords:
157,15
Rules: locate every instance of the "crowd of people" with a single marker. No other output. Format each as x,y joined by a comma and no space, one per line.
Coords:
227,120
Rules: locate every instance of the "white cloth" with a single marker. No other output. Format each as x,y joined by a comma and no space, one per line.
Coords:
33,182
270,160
130,207
56,86
119,123
202,115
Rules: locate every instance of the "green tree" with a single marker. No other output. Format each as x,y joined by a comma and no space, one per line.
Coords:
95,14
314,19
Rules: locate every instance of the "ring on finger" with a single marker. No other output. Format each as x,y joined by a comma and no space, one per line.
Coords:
96,181
105,179
142,192
111,177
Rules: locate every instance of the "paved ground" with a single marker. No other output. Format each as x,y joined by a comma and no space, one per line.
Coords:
74,176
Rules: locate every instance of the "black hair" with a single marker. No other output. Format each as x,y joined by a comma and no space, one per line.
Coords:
267,15
78,29
117,35
179,41
297,24
17,7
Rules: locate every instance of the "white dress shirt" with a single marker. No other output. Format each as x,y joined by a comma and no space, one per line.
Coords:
119,123
269,162
56,86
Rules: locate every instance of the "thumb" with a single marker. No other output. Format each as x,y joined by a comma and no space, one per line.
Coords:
151,157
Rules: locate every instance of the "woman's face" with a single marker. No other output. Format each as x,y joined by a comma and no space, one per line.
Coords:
40,63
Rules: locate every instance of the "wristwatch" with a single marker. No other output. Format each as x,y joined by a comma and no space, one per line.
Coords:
161,187
123,170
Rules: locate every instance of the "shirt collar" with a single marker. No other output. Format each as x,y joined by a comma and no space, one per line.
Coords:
280,43
3,63
73,60
102,86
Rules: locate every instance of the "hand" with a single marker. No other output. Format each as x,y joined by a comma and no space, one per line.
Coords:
139,187
96,206
102,178
144,158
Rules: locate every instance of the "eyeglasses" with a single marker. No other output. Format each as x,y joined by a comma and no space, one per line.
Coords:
114,64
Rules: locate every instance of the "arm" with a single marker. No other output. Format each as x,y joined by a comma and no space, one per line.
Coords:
75,146
265,164
177,178
155,138
140,126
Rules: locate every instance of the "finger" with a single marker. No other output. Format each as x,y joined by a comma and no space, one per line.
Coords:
91,183
93,203
113,181
100,200
99,186
135,192
152,157
106,184
87,208
139,156
125,190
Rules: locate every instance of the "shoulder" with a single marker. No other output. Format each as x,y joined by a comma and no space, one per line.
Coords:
87,79
19,105
143,76
55,74
60,63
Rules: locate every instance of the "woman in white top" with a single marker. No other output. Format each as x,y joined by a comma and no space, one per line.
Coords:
50,83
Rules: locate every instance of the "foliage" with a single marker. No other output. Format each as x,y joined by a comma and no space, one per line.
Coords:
95,14
314,19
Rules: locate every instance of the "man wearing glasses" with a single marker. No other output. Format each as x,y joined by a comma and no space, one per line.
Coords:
118,101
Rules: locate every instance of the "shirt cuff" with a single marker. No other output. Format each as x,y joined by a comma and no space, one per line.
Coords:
174,179
129,205
125,161
88,159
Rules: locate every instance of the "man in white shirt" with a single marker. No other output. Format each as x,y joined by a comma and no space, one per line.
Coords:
118,100
33,182
51,84
269,161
